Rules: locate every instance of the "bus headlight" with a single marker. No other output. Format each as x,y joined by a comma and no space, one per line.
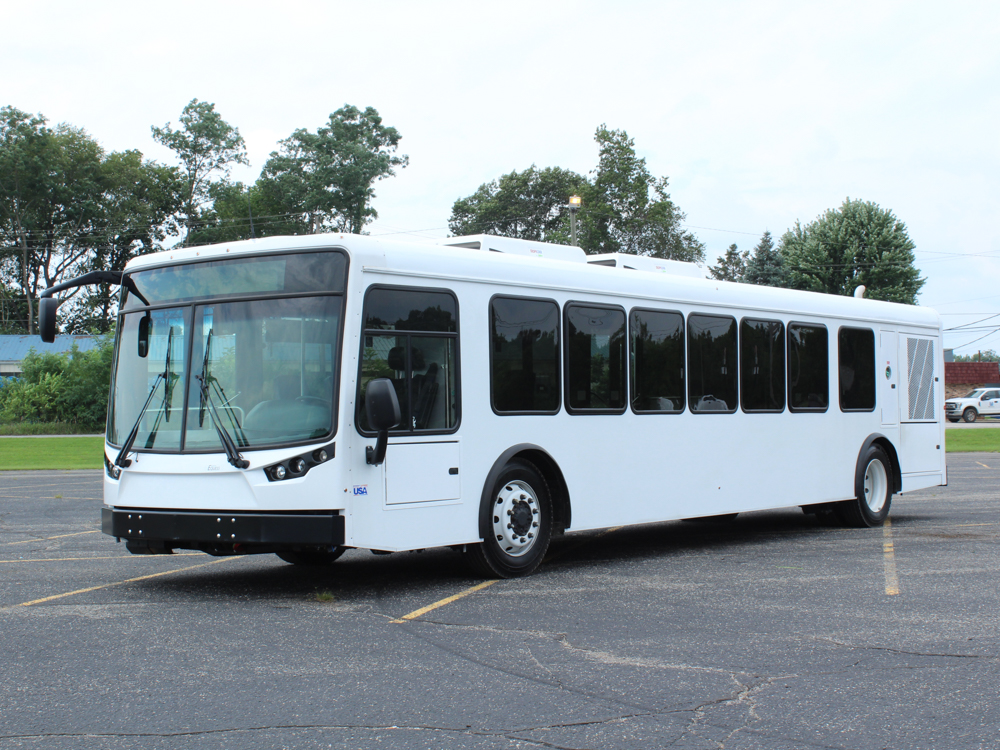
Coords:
299,465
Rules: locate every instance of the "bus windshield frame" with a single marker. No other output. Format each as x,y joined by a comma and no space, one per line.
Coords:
272,362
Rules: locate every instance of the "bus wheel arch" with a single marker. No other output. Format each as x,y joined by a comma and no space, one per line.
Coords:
532,473
877,471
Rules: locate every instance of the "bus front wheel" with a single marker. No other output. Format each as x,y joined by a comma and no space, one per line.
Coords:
873,491
312,555
515,522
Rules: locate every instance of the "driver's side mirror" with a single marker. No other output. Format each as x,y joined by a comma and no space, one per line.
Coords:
144,335
382,410
47,309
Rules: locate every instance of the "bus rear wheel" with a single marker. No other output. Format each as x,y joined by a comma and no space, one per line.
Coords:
873,491
515,521
312,555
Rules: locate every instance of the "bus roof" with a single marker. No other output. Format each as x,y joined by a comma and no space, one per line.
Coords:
518,272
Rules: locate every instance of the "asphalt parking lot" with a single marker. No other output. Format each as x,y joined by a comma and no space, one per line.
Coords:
775,631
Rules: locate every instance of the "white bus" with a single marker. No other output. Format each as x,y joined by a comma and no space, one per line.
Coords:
305,395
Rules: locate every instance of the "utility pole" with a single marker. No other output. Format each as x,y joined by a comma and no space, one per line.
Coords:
574,206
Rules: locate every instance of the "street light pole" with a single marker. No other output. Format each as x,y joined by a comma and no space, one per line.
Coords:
574,206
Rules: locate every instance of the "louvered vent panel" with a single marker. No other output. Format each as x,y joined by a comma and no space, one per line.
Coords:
920,363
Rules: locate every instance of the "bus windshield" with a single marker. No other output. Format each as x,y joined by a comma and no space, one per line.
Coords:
268,364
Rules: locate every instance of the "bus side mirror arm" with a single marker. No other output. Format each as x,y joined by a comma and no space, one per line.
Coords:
48,305
382,410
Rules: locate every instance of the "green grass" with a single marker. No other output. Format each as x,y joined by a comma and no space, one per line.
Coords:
46,428
972,441
51,453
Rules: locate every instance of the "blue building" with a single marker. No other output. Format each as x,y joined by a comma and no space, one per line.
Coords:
13,349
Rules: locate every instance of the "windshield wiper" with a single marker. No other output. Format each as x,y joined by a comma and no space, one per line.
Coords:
241,438
120,459
224,437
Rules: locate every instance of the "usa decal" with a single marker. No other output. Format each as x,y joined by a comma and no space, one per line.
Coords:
361,489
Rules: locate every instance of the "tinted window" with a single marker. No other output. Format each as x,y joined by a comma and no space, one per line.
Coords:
595,358
657,351
524,359
291,273
808,368
404,310
711,363
408,340
762,365
856,352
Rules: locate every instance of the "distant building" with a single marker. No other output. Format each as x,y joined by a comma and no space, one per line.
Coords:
962,377
13,349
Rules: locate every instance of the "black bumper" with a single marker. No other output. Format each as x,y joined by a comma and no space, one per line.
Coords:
181,528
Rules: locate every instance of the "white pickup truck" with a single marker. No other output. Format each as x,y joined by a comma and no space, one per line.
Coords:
982,401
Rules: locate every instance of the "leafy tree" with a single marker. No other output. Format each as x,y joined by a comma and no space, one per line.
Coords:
240,212
627,210
624,209
987,355
328,177
765,265
51,186
731,267
207,147
137,207
528,205
858,243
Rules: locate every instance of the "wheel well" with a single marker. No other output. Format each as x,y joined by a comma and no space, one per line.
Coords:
549,469
885,444
562,511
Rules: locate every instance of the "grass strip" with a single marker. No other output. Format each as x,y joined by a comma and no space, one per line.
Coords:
972,441
51,453
46,428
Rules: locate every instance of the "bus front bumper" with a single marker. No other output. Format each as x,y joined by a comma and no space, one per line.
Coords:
222,532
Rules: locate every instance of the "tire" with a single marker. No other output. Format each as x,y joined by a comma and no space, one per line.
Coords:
969,415
953,420
312,555
873,491
515,521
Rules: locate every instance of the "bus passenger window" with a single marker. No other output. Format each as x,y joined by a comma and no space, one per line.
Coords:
411,338
524,355
808,368
857,369
762,365
656,349
595,358
712,375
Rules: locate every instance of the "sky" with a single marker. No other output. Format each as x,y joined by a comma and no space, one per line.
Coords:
760,113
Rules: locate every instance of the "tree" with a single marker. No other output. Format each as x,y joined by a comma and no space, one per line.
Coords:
858,243
328,177
765,265
528,205
625,209
987,355
50,199
240,212
139,201
731,267
207,147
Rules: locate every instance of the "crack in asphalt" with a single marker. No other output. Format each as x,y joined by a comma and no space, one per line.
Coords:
902,651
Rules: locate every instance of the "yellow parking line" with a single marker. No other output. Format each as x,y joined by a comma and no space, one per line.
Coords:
112,557
983,465
889,560
447,600
59,536
115,583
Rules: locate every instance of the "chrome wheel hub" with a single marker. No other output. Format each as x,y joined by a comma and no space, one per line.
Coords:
876,486
515,518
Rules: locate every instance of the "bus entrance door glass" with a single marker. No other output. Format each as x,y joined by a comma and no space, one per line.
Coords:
888,376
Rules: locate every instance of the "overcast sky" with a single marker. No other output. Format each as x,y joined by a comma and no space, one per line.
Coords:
760,113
